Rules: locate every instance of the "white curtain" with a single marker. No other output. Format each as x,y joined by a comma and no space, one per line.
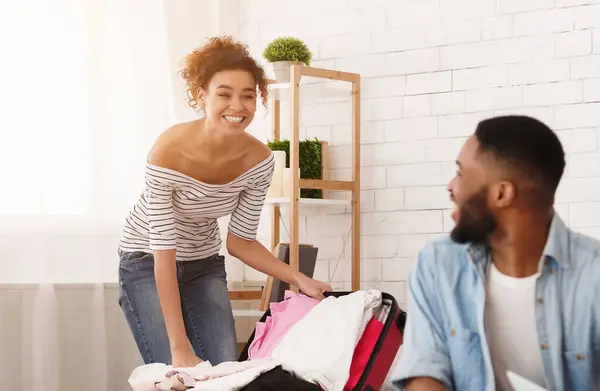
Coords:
85,88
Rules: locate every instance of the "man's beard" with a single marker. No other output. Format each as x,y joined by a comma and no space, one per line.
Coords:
476,222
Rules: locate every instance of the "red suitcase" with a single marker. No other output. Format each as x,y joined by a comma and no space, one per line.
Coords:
384,352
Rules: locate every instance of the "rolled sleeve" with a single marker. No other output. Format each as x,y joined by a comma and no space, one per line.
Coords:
159,198
246,216
424,350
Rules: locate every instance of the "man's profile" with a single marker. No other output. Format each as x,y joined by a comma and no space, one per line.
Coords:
512,288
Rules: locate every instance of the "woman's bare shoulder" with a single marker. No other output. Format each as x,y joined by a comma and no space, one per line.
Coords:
166,151
257,151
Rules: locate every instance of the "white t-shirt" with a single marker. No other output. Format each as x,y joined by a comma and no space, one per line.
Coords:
511,328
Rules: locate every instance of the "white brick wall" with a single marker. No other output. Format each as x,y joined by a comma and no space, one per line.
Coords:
431,70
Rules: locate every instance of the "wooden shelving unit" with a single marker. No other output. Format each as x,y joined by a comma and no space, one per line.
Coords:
327,84
353,186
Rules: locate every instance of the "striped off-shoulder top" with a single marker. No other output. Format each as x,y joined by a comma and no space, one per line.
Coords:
176,211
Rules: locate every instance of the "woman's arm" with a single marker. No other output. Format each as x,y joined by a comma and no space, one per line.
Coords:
163,243
255,255
165,274
241,238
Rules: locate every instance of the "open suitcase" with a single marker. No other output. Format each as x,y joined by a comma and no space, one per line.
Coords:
385,349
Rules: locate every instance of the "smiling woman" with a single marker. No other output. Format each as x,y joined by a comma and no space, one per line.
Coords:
220,53
172,278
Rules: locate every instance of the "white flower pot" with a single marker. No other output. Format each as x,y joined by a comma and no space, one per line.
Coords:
281,69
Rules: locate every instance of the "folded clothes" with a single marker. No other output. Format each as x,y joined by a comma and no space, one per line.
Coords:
231,375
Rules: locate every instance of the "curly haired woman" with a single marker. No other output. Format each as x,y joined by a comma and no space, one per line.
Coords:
173,287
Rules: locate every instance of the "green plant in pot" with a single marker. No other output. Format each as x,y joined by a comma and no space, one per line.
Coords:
311,165
282,52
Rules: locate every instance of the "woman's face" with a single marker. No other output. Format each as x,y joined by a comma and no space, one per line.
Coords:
230,100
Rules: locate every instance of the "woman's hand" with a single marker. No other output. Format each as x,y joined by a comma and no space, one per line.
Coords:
311,287
184,358
255,255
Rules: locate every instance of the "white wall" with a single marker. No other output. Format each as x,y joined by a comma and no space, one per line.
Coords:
188,23
431,69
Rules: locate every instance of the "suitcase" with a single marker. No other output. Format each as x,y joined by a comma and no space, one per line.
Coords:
384,352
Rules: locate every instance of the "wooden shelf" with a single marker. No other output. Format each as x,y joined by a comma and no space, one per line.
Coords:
282,201
319,84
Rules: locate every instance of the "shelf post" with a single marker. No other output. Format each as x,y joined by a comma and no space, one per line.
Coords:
356,180
294,164
275,212
325,184
325,166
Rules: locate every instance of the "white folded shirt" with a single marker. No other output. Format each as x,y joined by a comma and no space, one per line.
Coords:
231,375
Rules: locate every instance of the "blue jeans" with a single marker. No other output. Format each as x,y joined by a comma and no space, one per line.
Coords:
205,305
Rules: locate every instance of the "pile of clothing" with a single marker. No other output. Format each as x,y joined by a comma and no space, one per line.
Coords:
305,344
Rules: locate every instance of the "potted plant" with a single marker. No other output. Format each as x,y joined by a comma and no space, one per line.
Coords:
311,165
282,52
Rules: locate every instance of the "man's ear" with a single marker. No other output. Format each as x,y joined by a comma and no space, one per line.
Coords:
504,194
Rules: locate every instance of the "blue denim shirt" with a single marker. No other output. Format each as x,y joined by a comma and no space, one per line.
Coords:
445,334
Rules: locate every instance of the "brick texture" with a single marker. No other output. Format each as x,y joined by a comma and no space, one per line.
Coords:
431,70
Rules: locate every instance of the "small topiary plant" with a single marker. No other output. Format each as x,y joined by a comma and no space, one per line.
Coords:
310,162
287,49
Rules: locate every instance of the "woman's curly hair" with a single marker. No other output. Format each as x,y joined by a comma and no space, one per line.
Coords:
218,54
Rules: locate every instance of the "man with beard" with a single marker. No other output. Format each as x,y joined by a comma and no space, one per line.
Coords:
513,289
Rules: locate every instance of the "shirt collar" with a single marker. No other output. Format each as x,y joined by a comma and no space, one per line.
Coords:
557,245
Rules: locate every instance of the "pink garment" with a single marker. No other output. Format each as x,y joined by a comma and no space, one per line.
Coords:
284,315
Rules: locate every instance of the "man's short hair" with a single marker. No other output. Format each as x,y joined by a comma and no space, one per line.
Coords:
525,147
